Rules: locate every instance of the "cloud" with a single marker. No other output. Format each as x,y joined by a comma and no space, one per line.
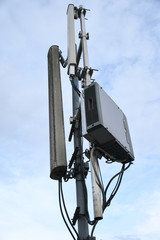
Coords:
129,66
128,237
150,226
30,209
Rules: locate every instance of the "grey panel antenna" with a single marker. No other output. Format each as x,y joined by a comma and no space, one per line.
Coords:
58,163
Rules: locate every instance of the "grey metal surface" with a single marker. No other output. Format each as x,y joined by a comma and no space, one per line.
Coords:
105,124
80,181
73,62
58,163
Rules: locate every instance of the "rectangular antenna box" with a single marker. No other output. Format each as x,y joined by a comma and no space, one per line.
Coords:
104,124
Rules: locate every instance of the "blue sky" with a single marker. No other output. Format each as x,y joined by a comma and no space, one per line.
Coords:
124,46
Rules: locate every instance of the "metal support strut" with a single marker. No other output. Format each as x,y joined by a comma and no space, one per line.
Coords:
84,38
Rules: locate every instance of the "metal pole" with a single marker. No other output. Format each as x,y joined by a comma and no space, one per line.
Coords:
79,168
84,37
81,190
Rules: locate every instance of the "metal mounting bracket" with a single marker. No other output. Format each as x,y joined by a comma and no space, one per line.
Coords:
76,215
74,155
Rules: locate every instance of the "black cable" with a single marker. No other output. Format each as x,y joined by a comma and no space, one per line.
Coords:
109,157
91,222
75,88
120,175
116,176
95,224
60,205
118,181
100,183
64,205
114,191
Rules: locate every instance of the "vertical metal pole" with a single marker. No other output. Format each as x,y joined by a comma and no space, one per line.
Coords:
84,47
79,165
81,190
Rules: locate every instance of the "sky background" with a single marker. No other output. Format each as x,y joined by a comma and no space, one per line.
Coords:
124,46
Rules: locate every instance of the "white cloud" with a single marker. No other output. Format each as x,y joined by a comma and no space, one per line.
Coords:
30,209
150,225
128,237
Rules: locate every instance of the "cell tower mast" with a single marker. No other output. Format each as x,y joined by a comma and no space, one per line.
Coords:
95,117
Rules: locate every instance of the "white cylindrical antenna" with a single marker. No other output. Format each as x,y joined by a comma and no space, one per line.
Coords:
58,163
96,191
71,41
